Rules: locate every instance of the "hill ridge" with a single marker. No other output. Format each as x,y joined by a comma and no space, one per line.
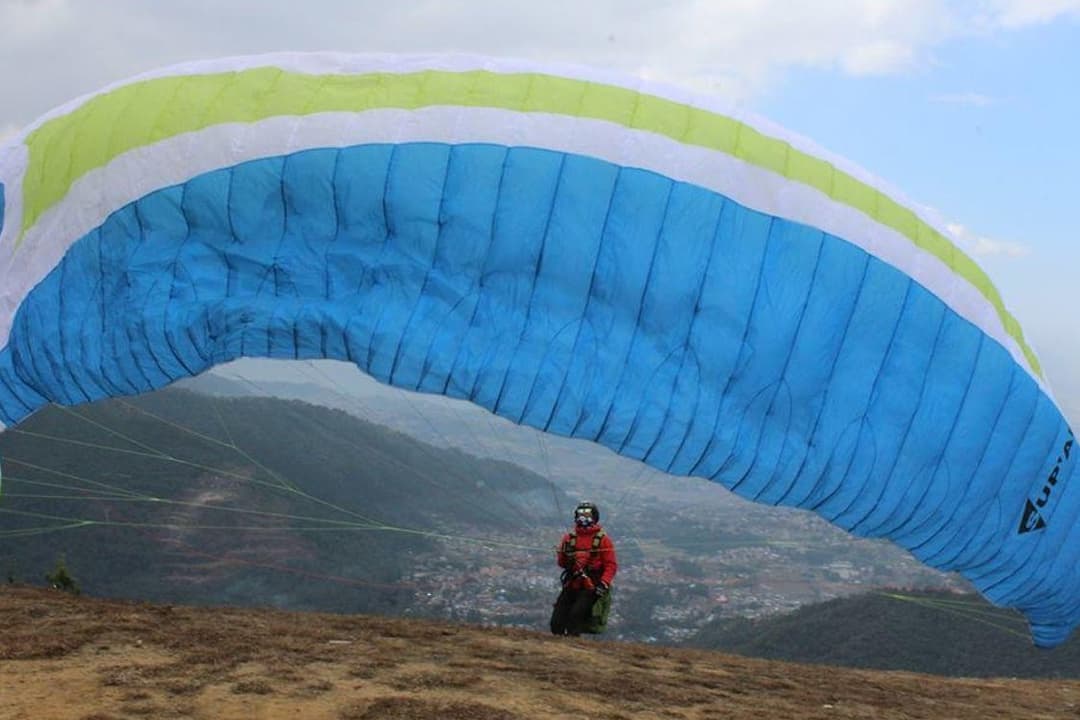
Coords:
931,631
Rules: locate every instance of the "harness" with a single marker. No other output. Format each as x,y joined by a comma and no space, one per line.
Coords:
569,549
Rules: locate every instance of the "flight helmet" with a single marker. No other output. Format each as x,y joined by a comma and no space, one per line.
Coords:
586,514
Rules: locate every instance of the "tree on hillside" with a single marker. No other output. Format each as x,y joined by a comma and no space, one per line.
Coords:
61,579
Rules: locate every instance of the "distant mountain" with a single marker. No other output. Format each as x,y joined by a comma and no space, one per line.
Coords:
258,501
445,422
690,549
930,632
405,504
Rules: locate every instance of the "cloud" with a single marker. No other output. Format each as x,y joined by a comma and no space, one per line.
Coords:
741,47
7,132
973,99
736,49
879,58
1013,14
982,246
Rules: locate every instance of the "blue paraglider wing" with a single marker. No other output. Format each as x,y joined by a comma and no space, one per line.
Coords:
590,259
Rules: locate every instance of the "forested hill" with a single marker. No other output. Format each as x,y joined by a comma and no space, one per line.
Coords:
930,632
182,497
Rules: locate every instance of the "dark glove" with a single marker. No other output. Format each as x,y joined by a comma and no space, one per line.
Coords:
601,589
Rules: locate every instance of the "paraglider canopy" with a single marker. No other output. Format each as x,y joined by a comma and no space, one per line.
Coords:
590,255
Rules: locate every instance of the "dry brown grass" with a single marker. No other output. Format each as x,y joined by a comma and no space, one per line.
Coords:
85,659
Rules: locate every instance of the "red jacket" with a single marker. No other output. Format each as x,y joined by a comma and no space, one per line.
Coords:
599,565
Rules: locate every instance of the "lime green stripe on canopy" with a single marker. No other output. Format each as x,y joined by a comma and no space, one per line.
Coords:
145,112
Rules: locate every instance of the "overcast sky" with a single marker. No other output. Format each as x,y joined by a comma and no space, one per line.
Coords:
969,107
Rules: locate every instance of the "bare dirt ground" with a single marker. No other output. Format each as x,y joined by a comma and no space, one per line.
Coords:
85,659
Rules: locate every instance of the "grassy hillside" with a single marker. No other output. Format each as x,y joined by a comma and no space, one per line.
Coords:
940,633
69,658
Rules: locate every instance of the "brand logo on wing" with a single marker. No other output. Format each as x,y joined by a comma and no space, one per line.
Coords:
1032,518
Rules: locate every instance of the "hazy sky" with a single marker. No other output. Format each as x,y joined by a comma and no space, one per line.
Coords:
969,107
